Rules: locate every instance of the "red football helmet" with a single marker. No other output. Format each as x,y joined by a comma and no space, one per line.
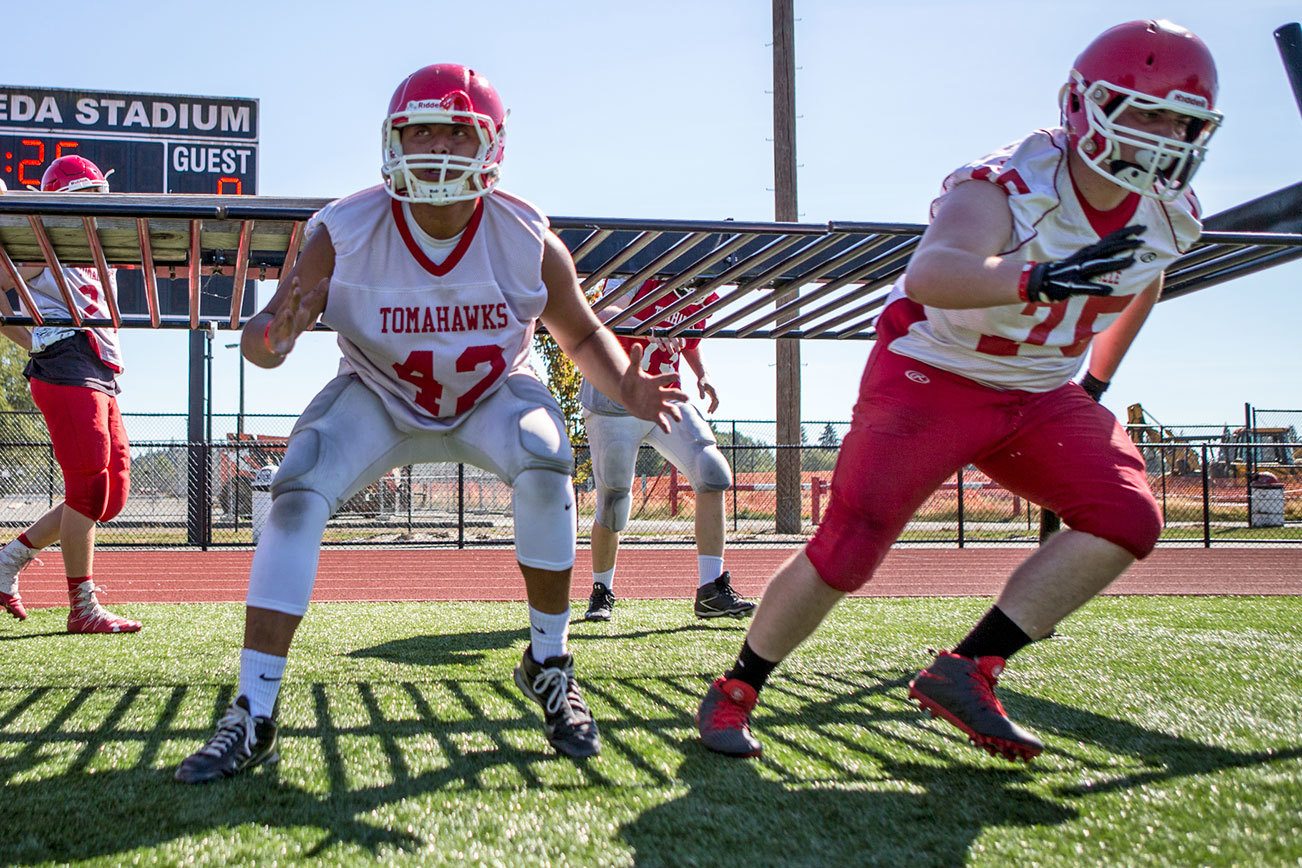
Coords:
445,93
71,173
1148,66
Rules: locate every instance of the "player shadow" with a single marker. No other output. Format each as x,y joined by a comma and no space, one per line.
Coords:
445,649
19,637
471,647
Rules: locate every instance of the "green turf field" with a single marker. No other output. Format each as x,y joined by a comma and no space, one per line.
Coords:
1173,729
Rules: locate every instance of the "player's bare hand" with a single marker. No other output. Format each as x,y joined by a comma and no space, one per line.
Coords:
706,388
655,399
297,314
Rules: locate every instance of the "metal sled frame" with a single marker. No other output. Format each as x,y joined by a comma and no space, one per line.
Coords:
772,280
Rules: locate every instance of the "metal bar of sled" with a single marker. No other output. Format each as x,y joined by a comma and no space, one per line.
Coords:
876,263
793,284
716,330
241,271
295,242
673,284
633,281
56,268
886,261
147,266
703,291
101,266
1234,259
195,233
589,244
608,267
1279,256
20,285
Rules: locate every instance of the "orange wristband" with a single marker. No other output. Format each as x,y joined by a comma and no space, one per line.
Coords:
266,340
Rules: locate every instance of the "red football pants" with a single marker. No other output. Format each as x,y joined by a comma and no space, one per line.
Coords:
915,425
90,445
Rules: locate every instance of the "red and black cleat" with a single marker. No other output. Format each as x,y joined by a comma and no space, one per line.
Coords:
961,691
724,718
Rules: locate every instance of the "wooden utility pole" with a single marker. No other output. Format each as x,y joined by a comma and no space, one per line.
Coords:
785,210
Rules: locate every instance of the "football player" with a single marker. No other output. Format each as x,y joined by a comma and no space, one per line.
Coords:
434,281
1047,248
73,375
615,436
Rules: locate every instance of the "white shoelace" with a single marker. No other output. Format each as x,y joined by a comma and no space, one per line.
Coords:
235,725
554,684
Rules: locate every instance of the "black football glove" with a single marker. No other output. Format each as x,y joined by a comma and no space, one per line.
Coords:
1093,386
1047,282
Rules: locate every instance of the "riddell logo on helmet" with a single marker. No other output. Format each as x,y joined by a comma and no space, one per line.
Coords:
1188,99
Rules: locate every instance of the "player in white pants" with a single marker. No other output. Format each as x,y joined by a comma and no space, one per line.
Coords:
434,281
615,436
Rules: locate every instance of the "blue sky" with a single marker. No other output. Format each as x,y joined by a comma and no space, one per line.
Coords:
661,111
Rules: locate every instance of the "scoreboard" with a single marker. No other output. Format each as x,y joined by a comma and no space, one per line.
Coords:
152,143
144,143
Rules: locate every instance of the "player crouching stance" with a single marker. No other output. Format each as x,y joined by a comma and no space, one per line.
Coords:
1032,253
434,281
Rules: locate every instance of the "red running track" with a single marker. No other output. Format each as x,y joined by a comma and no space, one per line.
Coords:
187,576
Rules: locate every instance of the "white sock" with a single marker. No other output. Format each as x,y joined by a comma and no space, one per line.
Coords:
260,676
708,568
548,633
606,577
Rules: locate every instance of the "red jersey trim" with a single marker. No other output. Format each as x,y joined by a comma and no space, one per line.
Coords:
1105,222
467,235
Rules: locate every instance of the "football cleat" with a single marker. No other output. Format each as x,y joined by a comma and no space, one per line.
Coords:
86,615
717,599
241,742
723,719
961,690
13,604
601,604
566,720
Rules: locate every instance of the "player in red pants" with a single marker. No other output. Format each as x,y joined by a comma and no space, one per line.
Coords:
1052,246
73,375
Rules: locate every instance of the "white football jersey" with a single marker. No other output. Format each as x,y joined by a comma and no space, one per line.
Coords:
88,294
1038,347
433,339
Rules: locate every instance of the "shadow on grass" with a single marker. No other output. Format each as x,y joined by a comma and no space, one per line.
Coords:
850,776
473,647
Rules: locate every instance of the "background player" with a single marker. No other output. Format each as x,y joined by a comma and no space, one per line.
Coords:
615,436
1032,253
73,375
434,281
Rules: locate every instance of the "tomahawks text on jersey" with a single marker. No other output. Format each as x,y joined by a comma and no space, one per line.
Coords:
433,339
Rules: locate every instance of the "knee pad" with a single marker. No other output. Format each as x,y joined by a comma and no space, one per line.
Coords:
848,547
712,471
1135,526
119,489
541,427
545,530
285,562
300,460
613,467
87,491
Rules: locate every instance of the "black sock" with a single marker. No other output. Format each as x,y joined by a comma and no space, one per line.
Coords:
751,668
995,635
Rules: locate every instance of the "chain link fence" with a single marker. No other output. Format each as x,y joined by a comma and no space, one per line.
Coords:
1213,482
